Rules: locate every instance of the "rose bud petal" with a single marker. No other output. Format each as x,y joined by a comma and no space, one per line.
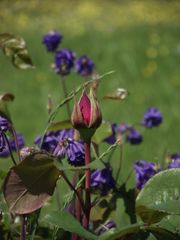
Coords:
86,116
76,117
96,116
85,107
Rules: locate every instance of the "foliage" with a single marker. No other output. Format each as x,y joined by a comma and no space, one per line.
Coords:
94,192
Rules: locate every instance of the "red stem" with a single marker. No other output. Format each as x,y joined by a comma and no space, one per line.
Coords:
78,206
16,141
87,185
73,188
78,212
23,227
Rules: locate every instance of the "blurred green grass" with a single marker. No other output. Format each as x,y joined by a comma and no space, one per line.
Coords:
137,39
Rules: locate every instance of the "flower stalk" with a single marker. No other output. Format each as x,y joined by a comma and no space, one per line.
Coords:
9,148
12,129
87,185
23,227
86,118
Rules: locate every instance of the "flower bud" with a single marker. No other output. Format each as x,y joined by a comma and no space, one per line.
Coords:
96,116
86,116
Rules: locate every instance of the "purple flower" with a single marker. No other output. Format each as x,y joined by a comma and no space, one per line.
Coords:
134,137
143,172
52,139
60,149
175,161
108,225
74,150
64,61
2,141
4,124
51,40
20,140
122,128
49,143
102,179
152,118
84,66
64,133
112,139
75,153
5,152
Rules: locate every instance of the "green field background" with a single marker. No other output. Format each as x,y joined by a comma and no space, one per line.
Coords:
139,40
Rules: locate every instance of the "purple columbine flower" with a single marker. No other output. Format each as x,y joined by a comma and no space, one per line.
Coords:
134,137
5,152
21,142
52,139
64,61
52,40
75,153
64,133
175,161
122,128
152,118
2,142
111,139
12,145
143,172
103,180
74,150
4,124
84,66
108,225
49,143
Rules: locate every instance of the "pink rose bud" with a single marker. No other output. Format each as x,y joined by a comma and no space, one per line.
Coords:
86,116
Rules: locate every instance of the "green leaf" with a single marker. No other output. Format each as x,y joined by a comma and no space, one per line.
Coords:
65,166
120,216
4,209
138,229
171,223
54,126
162,234
67,222
101,211
102,132
160,196
31,183
96,164
15,47
129,230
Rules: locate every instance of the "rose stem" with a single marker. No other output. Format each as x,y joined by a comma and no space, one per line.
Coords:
23,227
87,185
